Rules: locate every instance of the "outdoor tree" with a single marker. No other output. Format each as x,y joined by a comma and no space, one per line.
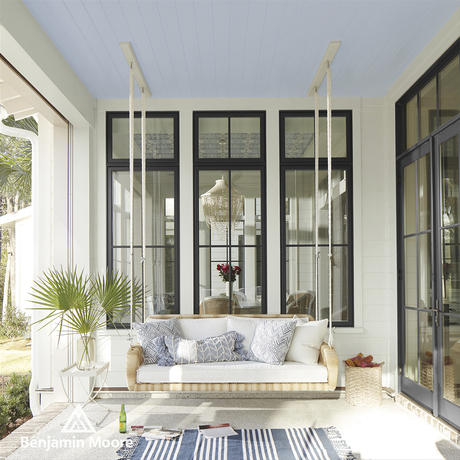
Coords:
15,194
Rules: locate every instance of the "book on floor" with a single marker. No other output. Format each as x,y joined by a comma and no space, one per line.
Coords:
158,433
136,430
217,431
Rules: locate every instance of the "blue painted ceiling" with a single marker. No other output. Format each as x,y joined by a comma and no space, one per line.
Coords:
240,48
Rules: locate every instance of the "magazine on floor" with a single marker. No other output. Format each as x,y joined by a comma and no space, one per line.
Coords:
216,431
159,433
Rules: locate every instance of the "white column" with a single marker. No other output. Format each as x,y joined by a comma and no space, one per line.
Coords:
273,213
186,212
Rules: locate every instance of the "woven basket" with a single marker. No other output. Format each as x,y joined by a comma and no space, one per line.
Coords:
363,386
426,379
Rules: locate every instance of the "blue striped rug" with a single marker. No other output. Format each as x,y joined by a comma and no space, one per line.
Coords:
256,444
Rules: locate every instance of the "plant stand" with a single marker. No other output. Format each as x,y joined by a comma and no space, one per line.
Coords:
72,371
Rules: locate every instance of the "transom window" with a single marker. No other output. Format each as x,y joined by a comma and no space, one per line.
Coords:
432,102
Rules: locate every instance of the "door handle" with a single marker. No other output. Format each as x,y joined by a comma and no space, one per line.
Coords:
436,313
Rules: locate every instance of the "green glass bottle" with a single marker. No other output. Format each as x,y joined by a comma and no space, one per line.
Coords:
122,419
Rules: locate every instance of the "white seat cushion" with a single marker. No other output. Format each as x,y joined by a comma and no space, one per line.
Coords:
202,328
233,372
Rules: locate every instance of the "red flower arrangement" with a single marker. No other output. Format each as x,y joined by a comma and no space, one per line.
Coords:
225,272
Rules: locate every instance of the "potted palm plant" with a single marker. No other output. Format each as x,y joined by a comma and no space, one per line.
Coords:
82,304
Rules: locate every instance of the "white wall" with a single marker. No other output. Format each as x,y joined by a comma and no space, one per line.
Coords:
370,334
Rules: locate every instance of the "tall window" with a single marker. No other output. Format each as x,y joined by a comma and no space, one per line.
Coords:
161,269
229,159
299,220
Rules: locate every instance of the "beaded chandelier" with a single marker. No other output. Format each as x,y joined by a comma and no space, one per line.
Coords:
223,206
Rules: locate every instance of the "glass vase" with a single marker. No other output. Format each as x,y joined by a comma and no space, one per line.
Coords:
86,353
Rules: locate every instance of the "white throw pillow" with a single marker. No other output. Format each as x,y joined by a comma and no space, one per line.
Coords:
202,328
301,321
244,326
271,341
307,341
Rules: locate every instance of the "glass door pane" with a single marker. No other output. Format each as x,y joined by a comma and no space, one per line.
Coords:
448,355
416,293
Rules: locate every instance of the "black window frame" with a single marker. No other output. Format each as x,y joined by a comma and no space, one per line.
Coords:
152,164
229,164
308,164
451,53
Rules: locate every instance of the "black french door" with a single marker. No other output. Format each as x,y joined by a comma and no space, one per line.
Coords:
429,273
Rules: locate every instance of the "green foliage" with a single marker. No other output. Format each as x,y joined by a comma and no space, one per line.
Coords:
14,404
29,123
3,259
14,325
4,415
16,161
83,304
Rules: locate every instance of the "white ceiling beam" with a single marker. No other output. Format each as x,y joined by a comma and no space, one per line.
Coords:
138,75
17,105
328,57
7,92
25,114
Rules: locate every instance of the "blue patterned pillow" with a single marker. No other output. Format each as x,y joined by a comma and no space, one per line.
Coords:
225,347
271,341
158,346
148,331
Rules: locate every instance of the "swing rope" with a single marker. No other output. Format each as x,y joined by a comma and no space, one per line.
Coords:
131,191
329,194
316,202
143,180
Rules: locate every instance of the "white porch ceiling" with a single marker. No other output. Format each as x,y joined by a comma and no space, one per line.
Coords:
240,48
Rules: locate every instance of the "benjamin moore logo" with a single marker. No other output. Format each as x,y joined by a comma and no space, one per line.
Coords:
78,422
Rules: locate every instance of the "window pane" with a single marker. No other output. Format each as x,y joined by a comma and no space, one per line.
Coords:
425,343
449,91
338,138
301,207
424,192
159,277
450,361
428,117
410,219
424,270
300,282
215,290
245,137
449,182
299,137
411,123
339,207
213,137
159,138
411,346
450,248
216,224
410,271
159,207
